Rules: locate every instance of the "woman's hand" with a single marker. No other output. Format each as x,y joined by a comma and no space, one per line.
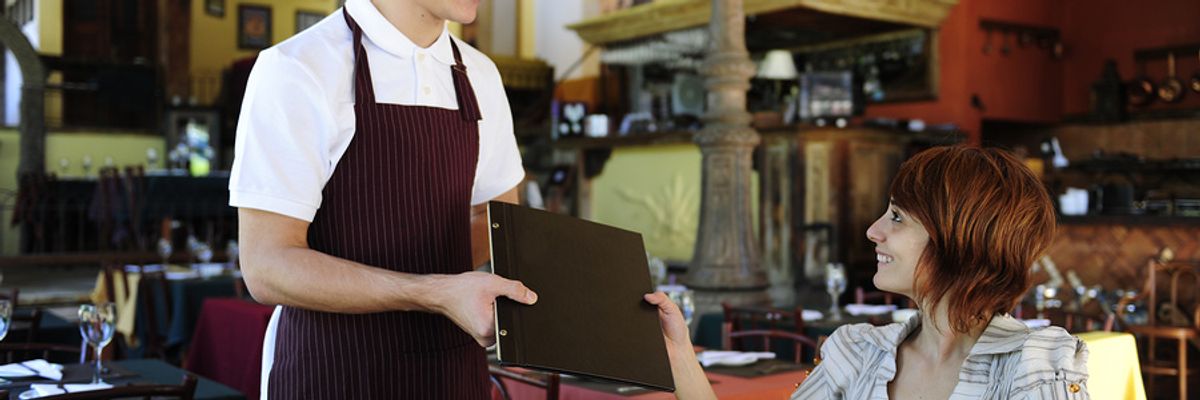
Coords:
690,382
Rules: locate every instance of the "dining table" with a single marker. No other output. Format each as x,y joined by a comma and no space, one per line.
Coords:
1114,371
227,343
132,372
765,379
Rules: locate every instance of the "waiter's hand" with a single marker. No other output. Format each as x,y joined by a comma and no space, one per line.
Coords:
468,298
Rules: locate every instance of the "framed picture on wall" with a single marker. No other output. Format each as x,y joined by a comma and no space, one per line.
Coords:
305,19
215,8
254,27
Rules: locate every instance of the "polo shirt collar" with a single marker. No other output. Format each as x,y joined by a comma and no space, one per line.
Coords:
387,37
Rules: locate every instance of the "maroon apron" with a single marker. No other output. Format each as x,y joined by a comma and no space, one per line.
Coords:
398,199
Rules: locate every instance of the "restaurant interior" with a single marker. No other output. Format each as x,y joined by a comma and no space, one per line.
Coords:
751,143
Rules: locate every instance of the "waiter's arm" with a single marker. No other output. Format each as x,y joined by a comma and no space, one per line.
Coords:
280,268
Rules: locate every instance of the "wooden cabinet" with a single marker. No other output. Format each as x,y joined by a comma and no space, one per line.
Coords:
846,176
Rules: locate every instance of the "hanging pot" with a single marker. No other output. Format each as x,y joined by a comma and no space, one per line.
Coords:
1141,88
1195,83
1171,88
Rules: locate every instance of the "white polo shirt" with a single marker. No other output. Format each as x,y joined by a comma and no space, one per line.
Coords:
298,118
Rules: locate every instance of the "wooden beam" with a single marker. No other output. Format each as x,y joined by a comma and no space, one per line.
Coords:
665,16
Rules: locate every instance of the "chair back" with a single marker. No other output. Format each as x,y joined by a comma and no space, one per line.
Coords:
768,336
184,391
1174,316
53,352
548,381
862,296
740,318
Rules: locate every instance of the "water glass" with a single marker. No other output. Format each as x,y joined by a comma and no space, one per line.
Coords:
835,285
6,310
96,324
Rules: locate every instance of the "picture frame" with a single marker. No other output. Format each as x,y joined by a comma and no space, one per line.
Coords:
215,8
254,27
197,128
305,19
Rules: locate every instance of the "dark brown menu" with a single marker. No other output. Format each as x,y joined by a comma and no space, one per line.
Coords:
590,318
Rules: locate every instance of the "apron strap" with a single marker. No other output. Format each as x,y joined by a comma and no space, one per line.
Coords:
364,89
468,106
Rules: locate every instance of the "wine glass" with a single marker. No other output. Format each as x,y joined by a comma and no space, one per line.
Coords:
6,309
685,299
164,250
231,252
96,324
151,158
63,165
87,165
835,285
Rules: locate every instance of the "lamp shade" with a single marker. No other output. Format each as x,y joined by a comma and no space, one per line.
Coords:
778,64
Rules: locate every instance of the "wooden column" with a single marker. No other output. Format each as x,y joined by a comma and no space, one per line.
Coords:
725,264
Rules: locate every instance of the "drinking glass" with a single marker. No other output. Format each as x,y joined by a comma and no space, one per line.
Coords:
685,299
151,158
164,251
96,324
6,310
835,285
87,165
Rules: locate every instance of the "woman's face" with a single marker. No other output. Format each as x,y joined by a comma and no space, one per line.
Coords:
899,242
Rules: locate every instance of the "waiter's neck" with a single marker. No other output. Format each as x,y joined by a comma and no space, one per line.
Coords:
416,22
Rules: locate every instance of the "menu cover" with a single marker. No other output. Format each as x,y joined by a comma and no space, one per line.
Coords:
590,318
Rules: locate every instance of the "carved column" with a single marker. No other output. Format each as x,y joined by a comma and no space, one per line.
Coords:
725,265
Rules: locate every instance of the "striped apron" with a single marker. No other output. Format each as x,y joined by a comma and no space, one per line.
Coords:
398,199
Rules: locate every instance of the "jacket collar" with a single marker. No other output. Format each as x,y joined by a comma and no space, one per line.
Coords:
1003,334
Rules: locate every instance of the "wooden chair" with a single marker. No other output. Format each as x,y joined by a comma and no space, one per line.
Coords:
548,381
731,340
1076,321
1168,320
741,318
16,352
862,296
184,391
155,341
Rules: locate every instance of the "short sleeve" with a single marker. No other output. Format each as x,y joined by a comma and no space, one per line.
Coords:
281,160
499,168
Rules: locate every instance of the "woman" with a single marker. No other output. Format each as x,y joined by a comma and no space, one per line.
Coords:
963,226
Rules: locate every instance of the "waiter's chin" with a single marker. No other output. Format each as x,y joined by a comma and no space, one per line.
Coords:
460,11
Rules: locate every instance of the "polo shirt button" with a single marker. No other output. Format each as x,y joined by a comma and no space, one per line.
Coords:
426,90
421,57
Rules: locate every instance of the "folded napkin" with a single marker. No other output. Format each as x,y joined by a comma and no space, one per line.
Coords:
37,367
869,309
811,315
731,358
1036,323
51,389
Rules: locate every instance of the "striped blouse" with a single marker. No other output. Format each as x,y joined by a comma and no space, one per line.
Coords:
1010,361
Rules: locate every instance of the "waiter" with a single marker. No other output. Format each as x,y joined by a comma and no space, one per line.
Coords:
362,145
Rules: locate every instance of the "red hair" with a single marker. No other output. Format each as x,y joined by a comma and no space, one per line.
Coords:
988,218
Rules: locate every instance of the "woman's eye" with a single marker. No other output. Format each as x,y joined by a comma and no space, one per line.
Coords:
895,216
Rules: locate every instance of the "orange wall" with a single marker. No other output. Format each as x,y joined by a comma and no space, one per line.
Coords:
1100,29
1028,85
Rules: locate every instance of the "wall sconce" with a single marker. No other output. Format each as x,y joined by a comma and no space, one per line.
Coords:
1043,37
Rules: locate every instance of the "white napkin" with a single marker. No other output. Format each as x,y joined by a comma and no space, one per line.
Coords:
811,315
51,389
902,315
44,369
731,358
1036,323
869,309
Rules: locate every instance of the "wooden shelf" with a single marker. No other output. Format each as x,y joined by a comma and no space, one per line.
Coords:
1141,220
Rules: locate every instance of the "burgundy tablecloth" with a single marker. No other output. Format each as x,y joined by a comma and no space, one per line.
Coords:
775,386
227,344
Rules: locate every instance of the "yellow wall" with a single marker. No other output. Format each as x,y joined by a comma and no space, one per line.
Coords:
214,39
124,148
655,190
50,28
